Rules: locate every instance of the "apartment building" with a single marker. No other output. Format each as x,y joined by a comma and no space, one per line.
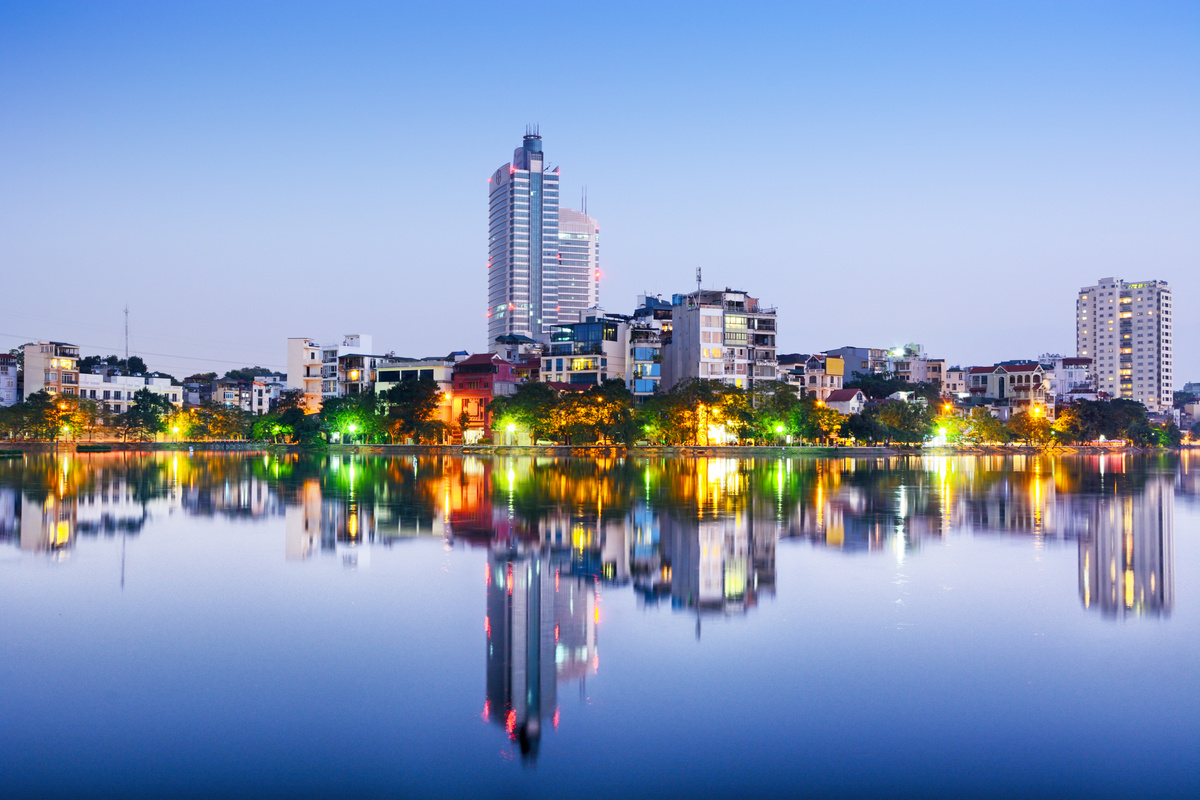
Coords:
862,360
587,353
1127,329
720,335
117,392
52,367
1066,375
8,379
476,381
265,393
912,364
394,370
955,382
304,366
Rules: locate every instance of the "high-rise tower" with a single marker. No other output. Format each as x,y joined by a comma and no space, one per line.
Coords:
1126,328
523,243
578,264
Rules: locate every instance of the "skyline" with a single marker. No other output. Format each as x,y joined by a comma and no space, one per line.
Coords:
255,161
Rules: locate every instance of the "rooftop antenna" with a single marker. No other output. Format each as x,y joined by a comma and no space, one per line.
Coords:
126,335
697,280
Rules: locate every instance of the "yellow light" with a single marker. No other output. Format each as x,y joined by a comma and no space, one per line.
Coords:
511,427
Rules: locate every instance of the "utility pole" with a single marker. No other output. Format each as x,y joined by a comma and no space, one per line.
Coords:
127,336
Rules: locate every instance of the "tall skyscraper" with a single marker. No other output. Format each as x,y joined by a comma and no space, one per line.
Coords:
578,264
523,244
1126,328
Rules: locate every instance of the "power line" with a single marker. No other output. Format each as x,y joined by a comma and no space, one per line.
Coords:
24,339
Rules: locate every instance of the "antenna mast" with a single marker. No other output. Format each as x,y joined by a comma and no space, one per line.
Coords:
127,336
697,280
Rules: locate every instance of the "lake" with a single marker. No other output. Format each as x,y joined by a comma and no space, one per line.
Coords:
243,624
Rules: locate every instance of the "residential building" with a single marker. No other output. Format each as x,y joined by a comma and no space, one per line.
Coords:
1017,386
789,369
719,335
910,363
8,379
955,382
578,264
1065,375
233,393
476,381
588,353
523,296
304,371
847,401
116,391
394,370
823,375
265,392
51,367
197,390
862,360
1127,329
348,368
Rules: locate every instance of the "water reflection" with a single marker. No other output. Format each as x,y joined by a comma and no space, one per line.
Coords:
692,537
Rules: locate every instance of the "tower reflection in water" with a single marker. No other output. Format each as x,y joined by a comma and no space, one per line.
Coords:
541,630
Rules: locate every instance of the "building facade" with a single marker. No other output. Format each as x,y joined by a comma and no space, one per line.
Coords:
1127,329
719,335
8,379
51,367
117,391
476,381
587,353
523,244
578,265
862,360
304,366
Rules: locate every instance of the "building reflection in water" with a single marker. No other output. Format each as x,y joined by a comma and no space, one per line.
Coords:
696,536
540,630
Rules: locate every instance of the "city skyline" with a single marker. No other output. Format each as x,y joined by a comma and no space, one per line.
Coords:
917,158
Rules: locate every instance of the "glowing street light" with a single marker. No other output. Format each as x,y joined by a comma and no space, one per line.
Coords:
779,429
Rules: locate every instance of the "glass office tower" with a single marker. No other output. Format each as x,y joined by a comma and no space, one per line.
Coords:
523,244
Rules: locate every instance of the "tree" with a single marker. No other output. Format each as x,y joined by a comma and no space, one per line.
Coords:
146,417
248,374
1032,429
409,405
905,422
981,427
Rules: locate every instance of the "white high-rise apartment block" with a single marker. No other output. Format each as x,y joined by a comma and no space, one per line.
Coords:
719,335
578,265
1126,329
523,244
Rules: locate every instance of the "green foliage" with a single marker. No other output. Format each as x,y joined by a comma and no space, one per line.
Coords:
907,423
1030,429
134,366
248,374
146,417
410,404
980,427
219,421
1183,398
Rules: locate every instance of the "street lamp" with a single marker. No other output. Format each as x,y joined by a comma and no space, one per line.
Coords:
511,428
352,428
779,432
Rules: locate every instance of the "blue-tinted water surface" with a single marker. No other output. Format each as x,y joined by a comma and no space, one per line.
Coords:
249,624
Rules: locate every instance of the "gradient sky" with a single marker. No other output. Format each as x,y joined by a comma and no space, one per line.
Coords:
948,174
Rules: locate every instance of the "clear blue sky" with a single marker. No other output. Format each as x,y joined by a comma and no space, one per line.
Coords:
948,174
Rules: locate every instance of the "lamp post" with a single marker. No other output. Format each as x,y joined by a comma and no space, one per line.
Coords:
779,434
512,429
352,428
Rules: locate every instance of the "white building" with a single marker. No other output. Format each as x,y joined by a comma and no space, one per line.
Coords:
8,379
304,367
719,335
117,391
1064,375
523,244
264,393
847,401
578,264
1126,328
912,364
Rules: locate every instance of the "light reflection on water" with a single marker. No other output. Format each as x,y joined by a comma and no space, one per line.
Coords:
563,539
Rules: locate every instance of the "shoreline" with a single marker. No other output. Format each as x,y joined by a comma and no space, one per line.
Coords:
580,451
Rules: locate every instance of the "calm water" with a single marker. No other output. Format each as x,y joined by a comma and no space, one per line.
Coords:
442,626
